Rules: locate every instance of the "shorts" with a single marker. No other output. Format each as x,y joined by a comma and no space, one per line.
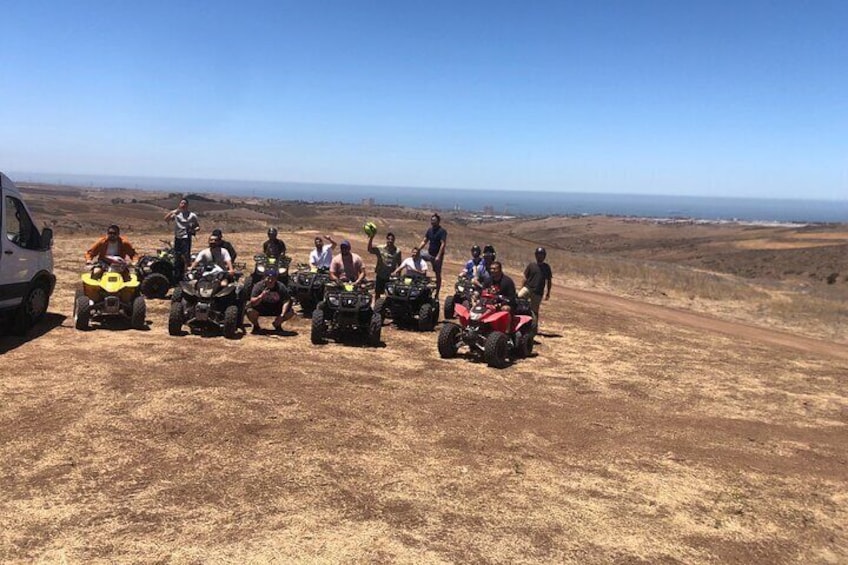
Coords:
380,285
437,263
535,299
268,308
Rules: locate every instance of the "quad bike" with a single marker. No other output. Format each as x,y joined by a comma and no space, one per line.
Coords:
264,263
346,308
112,294
494,334
207,300
463,291
157,272
409,300
307,286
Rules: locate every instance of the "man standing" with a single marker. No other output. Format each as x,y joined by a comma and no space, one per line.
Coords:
436,240
186,225
388,258
347,266
537,276
269,297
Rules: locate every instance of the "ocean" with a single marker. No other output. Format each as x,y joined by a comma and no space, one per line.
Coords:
500,202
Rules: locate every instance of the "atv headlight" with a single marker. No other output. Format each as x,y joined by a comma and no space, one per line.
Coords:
460,288
364,299
414,293
205,292
390,288
334,300
260,268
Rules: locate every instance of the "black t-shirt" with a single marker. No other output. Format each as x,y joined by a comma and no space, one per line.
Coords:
506,288
277,295
230,249
435,237
274,248
537,274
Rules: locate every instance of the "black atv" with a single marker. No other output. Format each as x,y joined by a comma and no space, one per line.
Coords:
463,294
346,308
158,272
205,301
409,301
262,264
307,286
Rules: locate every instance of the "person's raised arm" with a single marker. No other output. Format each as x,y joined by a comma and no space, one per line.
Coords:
330,239
371,248
170,215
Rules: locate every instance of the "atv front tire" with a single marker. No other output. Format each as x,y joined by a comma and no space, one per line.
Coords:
231,318
318,328
495,350
82,313
177,295
375,328
139,313
425,318
449,310
175,319
449,340
155,285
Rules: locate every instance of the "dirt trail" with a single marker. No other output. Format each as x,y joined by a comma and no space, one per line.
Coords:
703,322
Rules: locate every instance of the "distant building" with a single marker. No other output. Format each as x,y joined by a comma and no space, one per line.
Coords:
488,210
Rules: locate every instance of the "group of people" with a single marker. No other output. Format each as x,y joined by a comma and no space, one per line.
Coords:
269,297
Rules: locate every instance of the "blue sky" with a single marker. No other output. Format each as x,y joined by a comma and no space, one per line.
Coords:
660,97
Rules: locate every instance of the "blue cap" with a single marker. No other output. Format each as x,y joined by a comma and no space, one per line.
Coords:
344,243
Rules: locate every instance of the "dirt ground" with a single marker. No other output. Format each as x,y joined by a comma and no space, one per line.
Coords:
635,434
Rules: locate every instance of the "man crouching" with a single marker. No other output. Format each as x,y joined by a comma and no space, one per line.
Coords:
269,297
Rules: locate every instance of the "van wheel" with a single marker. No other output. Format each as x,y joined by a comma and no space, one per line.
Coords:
82,313
32,309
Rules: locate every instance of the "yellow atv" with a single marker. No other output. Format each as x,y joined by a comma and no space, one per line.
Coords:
113,294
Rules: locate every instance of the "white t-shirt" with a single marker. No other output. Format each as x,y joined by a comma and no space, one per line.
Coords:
322,259
418,265
218,256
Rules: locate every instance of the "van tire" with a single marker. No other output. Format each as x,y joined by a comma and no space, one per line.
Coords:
32,308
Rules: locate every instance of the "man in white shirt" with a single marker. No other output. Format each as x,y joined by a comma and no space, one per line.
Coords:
186,225
214,255
413,265
322,255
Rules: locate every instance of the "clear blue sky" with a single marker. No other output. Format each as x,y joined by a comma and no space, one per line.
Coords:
733,98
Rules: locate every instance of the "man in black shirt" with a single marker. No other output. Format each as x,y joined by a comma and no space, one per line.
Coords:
225,244
269,297
436,240
504,284
537,276
274,247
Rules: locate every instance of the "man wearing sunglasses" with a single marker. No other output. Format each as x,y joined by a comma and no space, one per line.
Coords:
110,245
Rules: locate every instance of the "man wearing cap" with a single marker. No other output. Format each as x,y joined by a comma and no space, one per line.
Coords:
269,297
347,266
225,244
537,276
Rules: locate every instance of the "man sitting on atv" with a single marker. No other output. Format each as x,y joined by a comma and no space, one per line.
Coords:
321,256
273,247
503,285
388,257
347,266
269,297
225,244
110,245
415,265
215,255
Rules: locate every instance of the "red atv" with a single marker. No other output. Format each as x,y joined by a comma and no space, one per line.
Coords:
495,334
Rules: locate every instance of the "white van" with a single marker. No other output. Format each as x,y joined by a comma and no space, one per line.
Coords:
26,263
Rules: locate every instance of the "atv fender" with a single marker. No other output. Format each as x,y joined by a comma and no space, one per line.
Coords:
499,320
463,313
521,323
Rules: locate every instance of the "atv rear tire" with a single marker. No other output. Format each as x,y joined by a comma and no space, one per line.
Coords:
525,344
231,317
435,312
82,313
139,313
318,328
449,310
425,318
449,340
155,285
375,329
175,318
495,350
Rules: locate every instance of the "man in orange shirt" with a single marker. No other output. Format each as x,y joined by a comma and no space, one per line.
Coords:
111,245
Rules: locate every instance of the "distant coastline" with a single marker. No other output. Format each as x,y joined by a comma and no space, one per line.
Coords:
493,203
